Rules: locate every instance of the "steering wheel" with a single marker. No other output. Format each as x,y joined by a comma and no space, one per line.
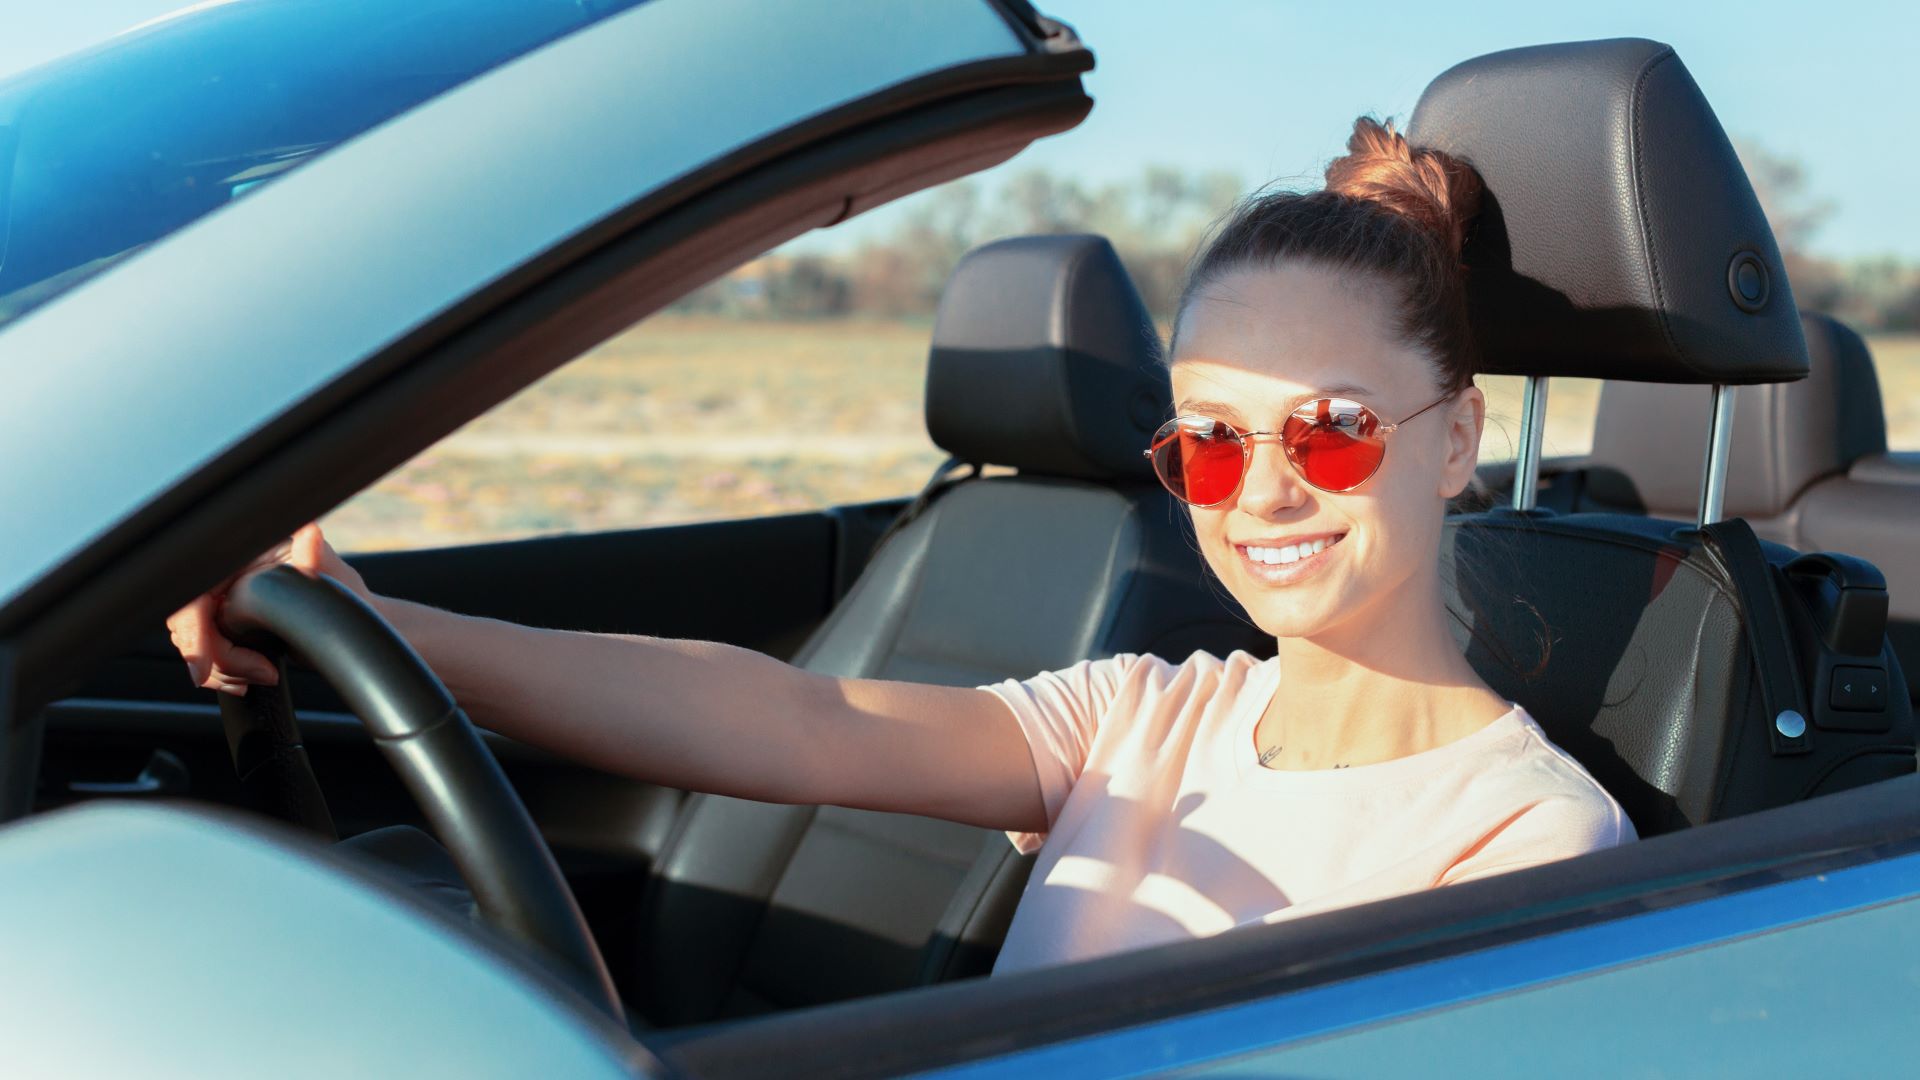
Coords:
430,743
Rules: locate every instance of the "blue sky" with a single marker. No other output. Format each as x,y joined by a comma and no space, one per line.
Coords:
1270,89
1267,88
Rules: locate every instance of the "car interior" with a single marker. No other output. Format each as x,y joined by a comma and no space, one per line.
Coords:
1810,467
1663,656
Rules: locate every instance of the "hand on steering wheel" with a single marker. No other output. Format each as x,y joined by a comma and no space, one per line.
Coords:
214,661
303,595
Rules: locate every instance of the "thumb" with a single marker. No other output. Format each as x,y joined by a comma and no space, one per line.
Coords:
308,553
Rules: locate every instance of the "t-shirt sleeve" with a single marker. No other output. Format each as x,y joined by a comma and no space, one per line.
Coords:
1059,713
1557,827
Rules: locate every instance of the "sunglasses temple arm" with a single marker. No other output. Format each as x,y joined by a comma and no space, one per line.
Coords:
1396,424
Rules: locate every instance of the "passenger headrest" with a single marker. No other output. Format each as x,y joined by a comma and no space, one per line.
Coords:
1785,435
1044,358
1619,238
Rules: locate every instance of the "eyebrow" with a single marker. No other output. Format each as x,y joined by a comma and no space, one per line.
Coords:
1217,408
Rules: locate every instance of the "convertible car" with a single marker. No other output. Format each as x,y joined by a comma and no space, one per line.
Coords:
255,255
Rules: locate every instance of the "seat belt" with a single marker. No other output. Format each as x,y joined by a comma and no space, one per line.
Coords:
937,485
1765,619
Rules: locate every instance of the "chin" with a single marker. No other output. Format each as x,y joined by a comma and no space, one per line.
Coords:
1287,620
1298,611
1280,600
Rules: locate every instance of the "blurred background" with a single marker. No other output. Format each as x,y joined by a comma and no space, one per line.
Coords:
795,381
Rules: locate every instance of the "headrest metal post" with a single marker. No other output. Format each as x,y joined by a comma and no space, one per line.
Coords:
1713,482
1533,424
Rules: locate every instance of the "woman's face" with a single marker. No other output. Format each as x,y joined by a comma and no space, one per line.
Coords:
1253,345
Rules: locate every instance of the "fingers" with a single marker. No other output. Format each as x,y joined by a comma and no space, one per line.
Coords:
308,549
313,555
214,662
242,665
189,628
273,556
221,682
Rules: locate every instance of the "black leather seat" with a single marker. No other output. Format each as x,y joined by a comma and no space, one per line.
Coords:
1044,359
1621,240
1808,468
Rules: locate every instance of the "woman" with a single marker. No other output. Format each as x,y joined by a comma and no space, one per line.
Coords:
1322,367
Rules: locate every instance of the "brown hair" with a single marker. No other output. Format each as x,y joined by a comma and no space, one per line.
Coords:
1400,216
1390,212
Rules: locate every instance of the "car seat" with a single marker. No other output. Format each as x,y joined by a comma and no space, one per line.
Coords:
1807,465
1695,672
1043,358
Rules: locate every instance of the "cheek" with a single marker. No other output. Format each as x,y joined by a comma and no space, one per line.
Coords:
1209,529
1404,515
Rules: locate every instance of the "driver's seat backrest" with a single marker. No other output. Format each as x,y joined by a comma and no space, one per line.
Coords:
1620,239
1045,359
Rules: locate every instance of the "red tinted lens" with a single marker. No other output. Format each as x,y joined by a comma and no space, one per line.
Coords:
1334,443
1199,459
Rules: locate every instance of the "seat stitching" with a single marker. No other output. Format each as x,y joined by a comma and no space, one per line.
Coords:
740,979
1061,324
1640,198
888,840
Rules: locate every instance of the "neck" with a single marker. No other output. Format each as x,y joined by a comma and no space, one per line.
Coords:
1381,685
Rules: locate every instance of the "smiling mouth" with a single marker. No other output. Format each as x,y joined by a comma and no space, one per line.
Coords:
1304,551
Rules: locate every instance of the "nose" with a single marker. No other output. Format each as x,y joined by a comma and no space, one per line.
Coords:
1271,487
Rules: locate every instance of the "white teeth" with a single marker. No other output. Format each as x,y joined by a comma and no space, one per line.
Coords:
1290,553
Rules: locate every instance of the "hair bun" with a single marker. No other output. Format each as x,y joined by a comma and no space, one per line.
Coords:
1436,190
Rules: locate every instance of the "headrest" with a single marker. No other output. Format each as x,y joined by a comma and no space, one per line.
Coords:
1619,238
1785,435
1045,359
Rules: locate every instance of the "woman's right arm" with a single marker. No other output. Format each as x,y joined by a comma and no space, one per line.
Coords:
688,714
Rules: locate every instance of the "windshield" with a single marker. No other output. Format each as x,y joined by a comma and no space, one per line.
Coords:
108,150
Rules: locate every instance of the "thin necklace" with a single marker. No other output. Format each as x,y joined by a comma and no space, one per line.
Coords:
1273,751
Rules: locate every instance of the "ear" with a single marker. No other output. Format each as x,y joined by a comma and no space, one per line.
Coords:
1466,418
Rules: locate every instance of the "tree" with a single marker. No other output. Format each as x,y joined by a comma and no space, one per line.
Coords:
1157,219
1781,183
808,287
1795,215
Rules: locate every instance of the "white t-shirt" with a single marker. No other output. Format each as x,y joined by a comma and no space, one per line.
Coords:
1163,825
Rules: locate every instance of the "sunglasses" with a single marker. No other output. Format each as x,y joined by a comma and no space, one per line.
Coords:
1333,443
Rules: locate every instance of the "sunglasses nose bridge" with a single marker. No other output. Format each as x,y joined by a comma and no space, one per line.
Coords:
1274,482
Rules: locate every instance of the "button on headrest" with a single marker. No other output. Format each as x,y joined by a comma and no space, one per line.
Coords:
1617,220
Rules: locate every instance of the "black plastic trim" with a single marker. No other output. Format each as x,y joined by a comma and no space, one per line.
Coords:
21,733
270,758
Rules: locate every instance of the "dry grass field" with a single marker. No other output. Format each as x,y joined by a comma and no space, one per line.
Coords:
679,419
690,418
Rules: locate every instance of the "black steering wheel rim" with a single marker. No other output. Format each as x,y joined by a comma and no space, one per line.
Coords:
424,735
